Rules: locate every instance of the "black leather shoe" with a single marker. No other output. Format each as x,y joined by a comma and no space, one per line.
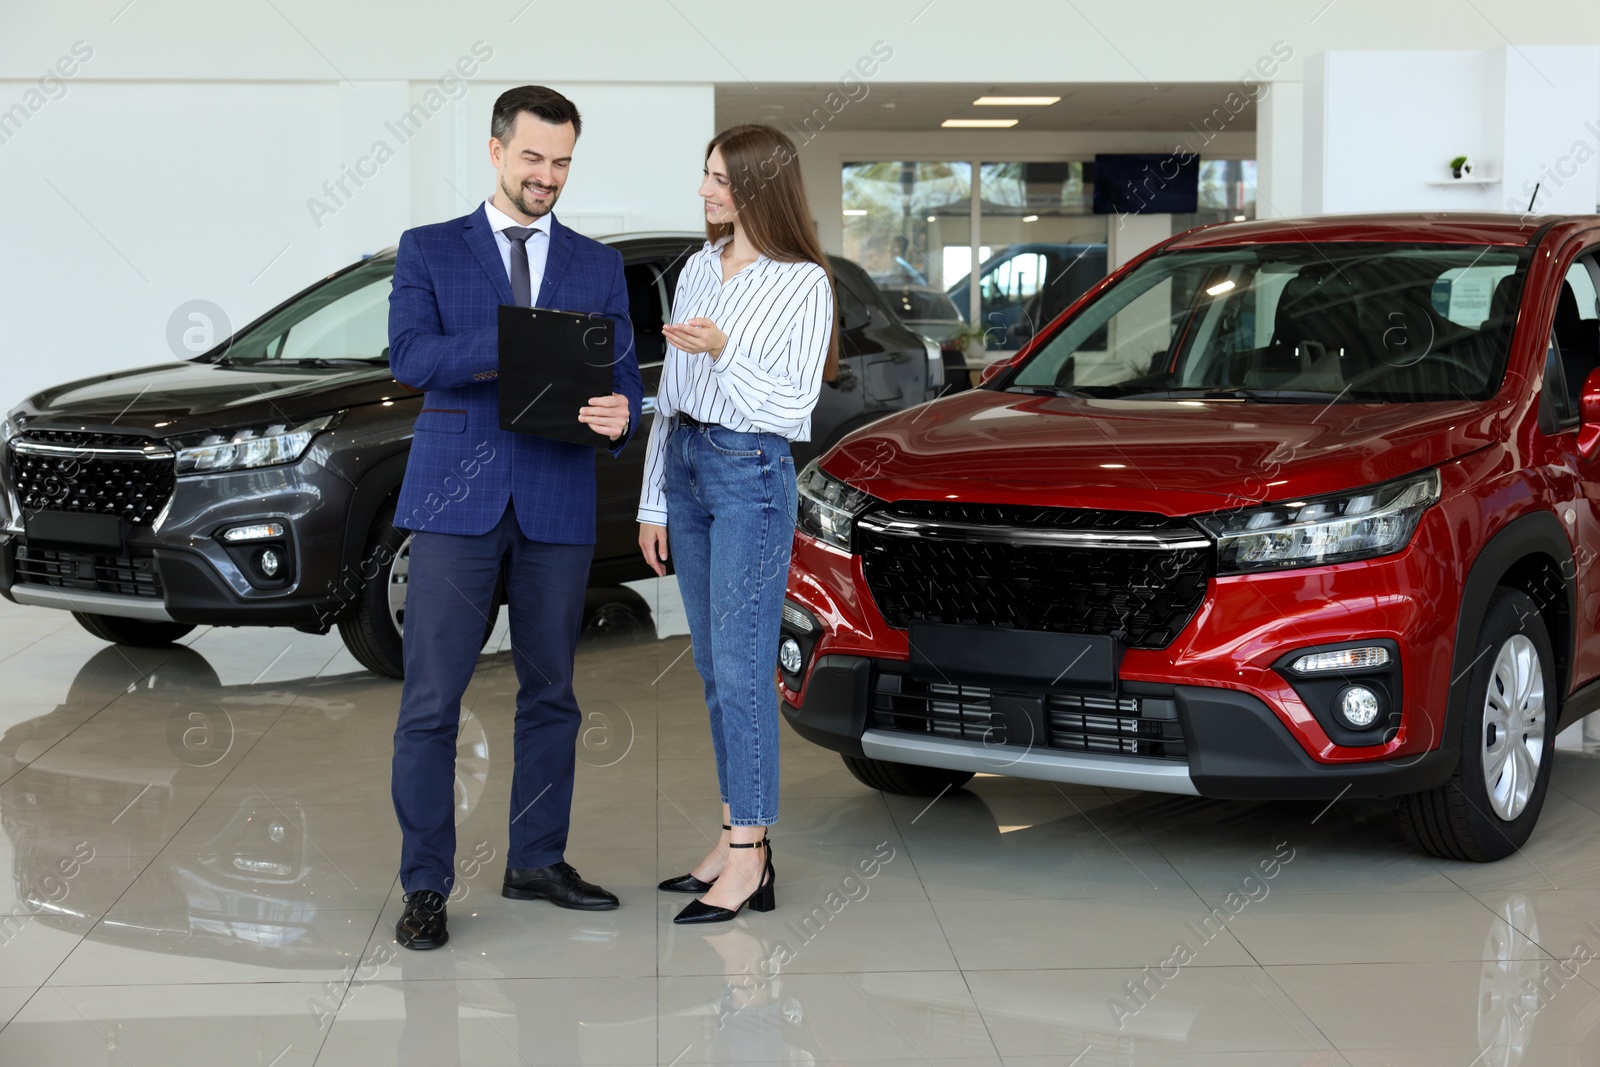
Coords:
559,884
687,883
423,924
763,899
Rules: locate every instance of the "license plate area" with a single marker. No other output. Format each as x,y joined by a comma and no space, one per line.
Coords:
78,531
1024,659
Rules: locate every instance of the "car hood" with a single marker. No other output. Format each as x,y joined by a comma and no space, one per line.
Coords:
1168,457
180,397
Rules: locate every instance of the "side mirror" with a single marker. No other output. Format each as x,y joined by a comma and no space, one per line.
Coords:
1589,416
856,318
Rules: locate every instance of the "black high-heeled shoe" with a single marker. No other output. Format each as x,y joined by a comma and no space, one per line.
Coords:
688,883
763,899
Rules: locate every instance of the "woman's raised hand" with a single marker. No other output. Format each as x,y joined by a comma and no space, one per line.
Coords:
696,336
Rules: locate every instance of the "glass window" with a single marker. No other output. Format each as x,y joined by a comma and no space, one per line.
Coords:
1042,245
917,303
1286,323
345,318
1227,194
852,309
1577,327
1562,398
1465,296
1583,290
648,302
909,223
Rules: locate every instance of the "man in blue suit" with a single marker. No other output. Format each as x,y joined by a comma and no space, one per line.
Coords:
483,501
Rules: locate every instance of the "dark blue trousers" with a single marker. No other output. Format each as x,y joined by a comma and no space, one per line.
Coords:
451,584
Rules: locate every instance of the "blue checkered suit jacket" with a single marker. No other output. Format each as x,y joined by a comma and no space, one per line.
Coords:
449,281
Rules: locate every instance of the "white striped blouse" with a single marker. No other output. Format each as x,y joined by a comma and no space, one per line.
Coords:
778,317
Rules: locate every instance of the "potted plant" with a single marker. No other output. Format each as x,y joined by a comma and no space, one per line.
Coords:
1461,167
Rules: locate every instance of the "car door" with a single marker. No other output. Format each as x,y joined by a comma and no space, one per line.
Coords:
1573,352
651,277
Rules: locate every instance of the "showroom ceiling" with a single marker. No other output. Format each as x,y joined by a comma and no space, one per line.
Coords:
1099,106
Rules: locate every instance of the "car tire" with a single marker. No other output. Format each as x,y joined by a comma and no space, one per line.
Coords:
142,633
1488,808
616,615
373,626
907,779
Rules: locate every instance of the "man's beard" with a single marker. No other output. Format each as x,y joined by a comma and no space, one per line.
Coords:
529,208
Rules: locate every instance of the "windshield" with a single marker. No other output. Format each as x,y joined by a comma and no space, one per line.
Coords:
923,305
340,320
1374,323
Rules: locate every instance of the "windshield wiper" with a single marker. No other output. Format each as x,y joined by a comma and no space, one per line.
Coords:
1259,396
1048,390
314,361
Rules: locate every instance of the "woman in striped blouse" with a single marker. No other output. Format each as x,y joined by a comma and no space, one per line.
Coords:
753,334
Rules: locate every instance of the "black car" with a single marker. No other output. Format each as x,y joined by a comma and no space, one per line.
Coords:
254,485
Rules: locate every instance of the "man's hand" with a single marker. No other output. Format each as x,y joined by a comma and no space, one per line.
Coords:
606,415
653,543
696,336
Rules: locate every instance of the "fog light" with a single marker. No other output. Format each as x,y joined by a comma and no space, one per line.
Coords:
259,531
789,655
268,563
1357,706
1346,659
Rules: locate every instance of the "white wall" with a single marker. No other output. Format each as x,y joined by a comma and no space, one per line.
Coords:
1380,126
1280,151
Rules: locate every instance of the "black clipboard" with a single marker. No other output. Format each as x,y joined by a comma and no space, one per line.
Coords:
551,363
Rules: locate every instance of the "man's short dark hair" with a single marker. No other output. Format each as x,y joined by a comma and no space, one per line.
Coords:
546,104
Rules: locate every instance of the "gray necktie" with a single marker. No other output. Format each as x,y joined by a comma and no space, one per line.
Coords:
521,281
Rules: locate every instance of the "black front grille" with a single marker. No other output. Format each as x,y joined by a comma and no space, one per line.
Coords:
1145,596
90,479
1076,722
121,575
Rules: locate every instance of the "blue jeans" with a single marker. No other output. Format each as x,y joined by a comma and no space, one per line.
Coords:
731,501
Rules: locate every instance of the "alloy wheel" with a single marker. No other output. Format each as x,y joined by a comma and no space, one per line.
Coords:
1513,727
398,577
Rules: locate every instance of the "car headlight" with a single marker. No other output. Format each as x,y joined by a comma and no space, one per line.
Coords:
1361,524
828,506
265,446
8,428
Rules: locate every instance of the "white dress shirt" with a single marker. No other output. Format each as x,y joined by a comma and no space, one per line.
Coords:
778,317
538,246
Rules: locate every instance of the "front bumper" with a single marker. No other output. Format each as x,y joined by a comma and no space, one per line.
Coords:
193,591
179,569
1235,747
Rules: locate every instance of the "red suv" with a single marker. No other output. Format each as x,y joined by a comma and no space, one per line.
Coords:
1281,509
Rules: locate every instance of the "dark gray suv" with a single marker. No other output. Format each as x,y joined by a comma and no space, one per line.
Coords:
254,485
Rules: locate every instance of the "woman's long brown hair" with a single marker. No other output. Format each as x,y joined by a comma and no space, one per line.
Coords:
764,177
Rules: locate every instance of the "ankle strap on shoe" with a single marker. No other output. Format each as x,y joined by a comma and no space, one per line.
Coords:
747,844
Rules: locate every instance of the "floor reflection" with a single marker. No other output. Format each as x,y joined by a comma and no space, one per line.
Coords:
176,839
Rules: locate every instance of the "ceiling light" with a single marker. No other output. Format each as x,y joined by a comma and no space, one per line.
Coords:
932,218
1238,218
1220,288
1015,101
1030,218
978,124
855,211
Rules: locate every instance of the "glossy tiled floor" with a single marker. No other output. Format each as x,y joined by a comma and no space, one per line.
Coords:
202,860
